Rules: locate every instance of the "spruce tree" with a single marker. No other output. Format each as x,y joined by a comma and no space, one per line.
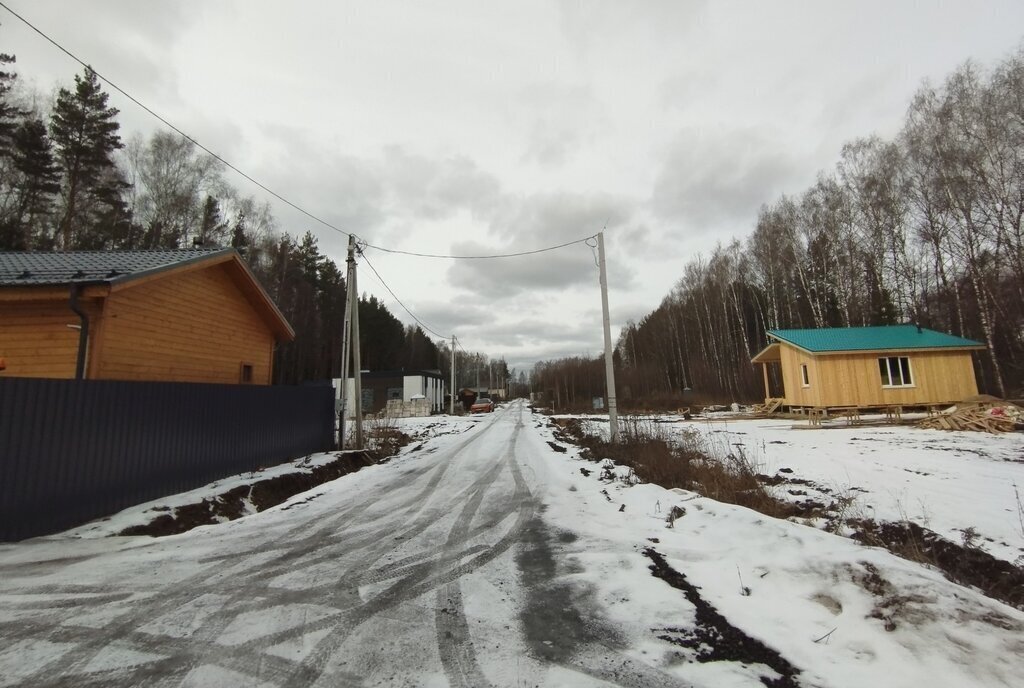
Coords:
38,183
9,113
85,132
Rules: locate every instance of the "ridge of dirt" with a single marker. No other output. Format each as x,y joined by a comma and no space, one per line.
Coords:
964,564
262,494
714,639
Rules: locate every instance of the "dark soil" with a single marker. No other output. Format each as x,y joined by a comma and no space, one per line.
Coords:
714,639
962,564
263,494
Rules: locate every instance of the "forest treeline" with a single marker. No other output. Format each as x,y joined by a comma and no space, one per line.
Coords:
927,227
69,181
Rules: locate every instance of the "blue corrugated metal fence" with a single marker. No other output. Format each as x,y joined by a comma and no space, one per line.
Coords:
71,451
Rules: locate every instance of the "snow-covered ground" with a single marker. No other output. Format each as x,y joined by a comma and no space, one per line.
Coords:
948,482
482,555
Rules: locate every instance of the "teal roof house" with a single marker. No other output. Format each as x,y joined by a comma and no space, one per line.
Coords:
868,367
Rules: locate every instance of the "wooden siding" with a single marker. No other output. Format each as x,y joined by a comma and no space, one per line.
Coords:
852,379
36,340
194,326
796,393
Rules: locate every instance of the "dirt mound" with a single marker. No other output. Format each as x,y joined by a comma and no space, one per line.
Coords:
262,495
961,564
713,638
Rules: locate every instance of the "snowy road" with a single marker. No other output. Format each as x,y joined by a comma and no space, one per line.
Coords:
434,570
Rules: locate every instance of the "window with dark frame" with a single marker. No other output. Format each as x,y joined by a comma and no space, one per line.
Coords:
245,375
895,371
805,375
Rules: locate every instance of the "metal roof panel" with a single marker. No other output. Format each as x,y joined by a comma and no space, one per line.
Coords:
877,338
45,268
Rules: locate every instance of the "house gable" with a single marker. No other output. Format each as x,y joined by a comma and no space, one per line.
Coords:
193,325
189,315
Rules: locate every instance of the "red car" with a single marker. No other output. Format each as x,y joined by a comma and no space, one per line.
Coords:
482,406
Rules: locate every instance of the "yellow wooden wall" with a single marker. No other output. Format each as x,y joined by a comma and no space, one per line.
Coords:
36,340
192,326
853,379
796,393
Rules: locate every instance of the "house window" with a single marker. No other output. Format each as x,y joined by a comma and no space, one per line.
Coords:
804,375
245,375
895,371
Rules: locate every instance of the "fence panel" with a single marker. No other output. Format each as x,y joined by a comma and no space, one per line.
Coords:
72,450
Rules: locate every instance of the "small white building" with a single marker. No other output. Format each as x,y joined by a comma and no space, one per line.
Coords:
416,390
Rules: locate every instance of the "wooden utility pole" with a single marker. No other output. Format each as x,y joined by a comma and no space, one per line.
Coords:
609,369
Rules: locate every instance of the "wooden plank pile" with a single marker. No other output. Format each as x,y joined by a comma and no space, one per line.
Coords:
984,417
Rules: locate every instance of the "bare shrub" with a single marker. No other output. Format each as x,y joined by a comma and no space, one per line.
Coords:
684,461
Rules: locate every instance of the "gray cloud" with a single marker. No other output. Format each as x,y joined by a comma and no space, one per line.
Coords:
709,177
557,133
434,188
124,40
589,24
534,222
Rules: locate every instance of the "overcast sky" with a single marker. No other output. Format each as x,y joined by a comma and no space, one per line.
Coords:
483,127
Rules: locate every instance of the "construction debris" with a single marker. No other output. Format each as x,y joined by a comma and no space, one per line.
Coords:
980,415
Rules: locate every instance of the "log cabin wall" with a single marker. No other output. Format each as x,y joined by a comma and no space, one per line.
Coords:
40,338
189,326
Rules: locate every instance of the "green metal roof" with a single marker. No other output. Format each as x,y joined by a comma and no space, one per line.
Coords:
885,337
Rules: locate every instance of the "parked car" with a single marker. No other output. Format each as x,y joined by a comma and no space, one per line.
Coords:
483,405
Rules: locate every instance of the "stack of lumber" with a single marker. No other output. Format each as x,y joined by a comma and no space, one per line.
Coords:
994,417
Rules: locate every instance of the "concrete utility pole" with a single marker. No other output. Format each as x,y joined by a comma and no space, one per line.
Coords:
451,397
346,338
357,359
350,344
609,369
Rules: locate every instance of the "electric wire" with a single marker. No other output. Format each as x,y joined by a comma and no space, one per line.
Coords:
518,254
181,133
399,301
260,184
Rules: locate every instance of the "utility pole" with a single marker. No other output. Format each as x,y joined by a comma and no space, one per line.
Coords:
346,338
350,344
451,397
609,370
357,360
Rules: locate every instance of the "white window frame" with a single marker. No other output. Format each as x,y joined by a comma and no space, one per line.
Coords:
805,375
902,367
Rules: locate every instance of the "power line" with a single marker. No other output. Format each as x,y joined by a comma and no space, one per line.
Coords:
395,297
181,133
481,257
260,184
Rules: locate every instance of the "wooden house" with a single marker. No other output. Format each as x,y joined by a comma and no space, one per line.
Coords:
865,367
196,315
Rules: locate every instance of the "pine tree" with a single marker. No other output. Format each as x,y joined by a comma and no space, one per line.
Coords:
212,229
9,113
85,133
38,183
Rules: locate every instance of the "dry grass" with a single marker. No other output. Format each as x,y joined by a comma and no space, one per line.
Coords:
725,473
685,461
